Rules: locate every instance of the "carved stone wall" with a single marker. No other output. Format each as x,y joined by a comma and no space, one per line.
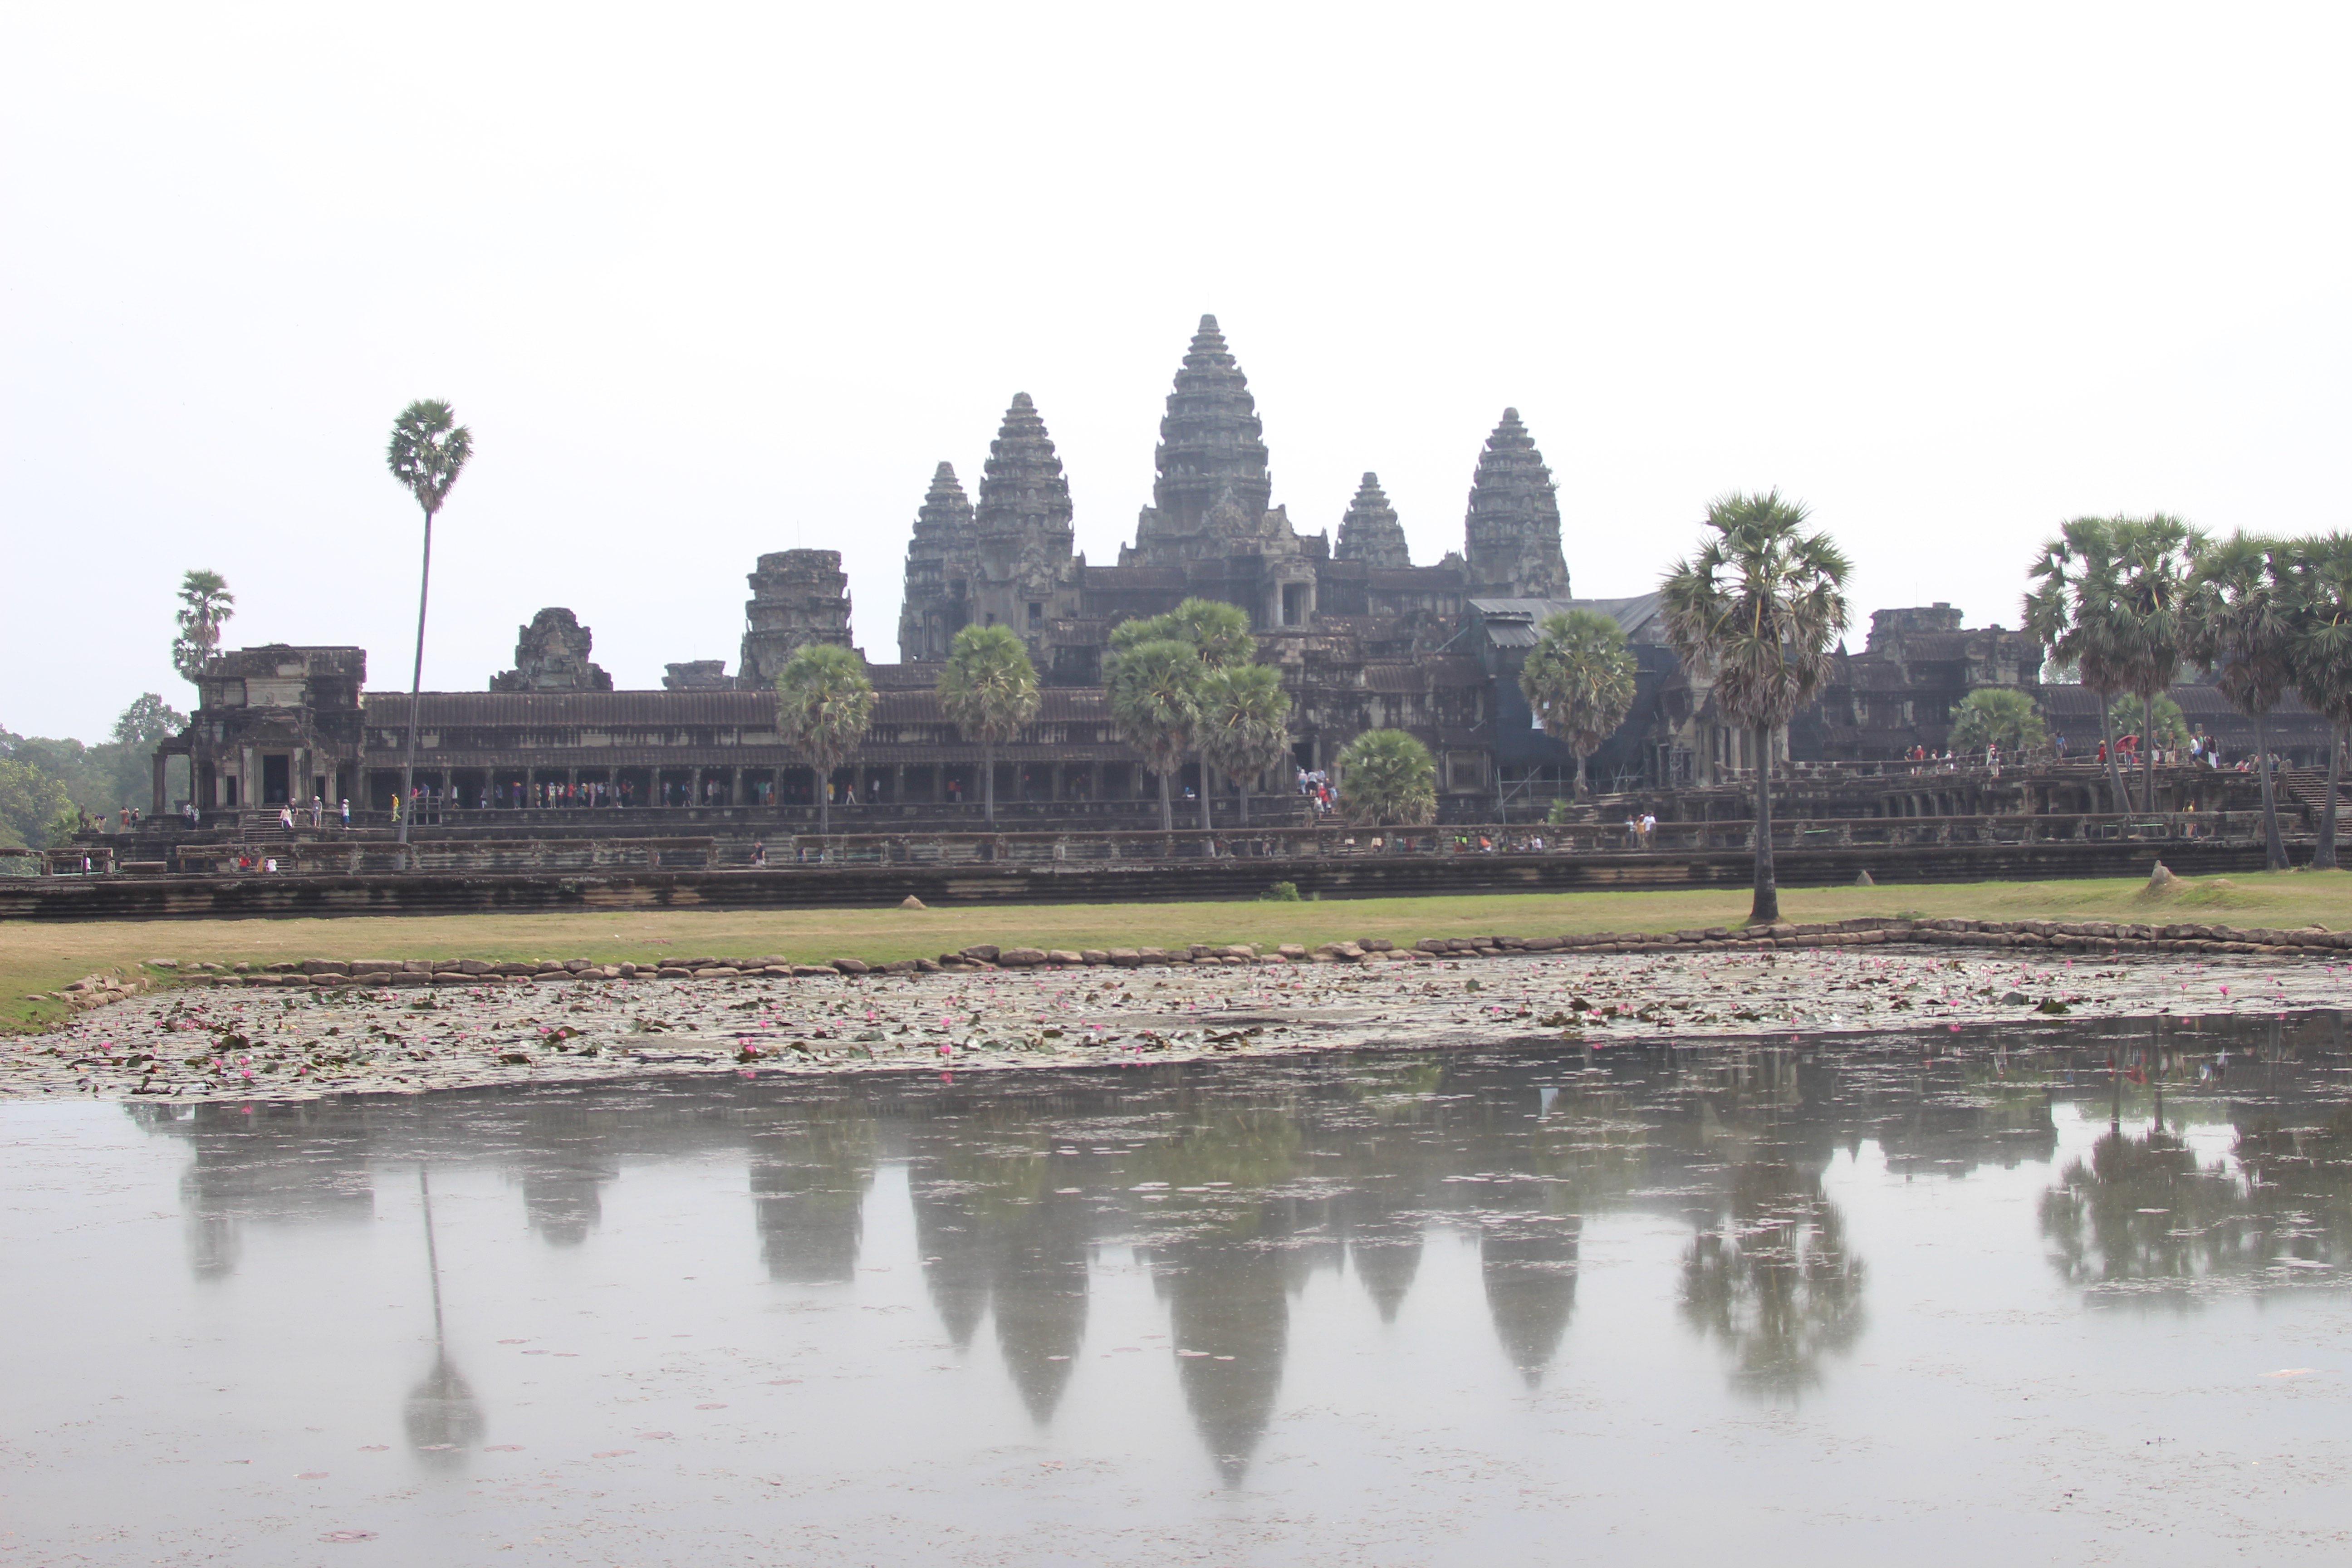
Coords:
552,655
798,596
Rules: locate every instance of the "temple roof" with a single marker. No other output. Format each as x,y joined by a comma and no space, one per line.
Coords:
1512,531
1370,532
1021,485
1211,443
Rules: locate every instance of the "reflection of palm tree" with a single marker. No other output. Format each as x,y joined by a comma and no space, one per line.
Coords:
442,1416
2143,1209
1774,1281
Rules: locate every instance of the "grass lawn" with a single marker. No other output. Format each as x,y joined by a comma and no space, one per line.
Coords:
41,957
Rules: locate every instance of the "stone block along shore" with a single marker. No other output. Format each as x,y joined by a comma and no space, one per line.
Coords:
302,1030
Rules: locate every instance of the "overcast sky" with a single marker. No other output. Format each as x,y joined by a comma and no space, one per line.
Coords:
709,282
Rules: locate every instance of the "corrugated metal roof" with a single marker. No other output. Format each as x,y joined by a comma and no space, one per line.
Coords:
1631,615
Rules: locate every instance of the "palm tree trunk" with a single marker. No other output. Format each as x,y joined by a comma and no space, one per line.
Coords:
1206,789
824,803
988,781
2148,756
415,685
1767,888
1242,785
1167,805
1582,788
2274,848
2107,740
2325,857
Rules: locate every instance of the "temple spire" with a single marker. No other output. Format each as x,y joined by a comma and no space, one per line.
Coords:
942,558
1211,444
1370,532
1512,532
1021,488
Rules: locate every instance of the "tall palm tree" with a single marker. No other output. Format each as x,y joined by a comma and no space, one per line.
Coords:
1154,690
1580,681
1245,725
2241,624
988,689
205,603
2322,575
1387,775
2072,613
428,451
1219,636
823,702
1761,605
2152,559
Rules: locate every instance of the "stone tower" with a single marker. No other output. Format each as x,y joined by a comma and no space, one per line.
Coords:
1213,492
798,596
1022,531
1512,534
1371,532
942,562
552,655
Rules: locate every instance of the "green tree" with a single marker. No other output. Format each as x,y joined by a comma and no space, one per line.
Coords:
2241,624
143,726
1762,606
823,703
988,689
205,605
1153,689
1243,725
2073,612
1386,775
1580,681
1217,636
1997,716
33,807
2153,556
427,452
2321,576
2169,724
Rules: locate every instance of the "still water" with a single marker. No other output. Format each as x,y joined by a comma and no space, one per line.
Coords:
1935,1300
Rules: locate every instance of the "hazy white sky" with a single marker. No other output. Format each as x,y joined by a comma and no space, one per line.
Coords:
706,283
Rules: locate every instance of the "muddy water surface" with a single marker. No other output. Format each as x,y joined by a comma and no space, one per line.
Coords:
1929,1298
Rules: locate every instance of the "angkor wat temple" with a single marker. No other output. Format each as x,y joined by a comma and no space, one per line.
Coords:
1363,636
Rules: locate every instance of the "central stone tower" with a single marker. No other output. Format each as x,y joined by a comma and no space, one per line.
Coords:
1211,515
1211,483
1512,533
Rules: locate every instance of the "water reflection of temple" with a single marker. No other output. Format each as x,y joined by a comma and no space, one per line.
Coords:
1236,1187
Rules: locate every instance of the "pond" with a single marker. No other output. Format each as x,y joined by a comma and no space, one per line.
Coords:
2068,1290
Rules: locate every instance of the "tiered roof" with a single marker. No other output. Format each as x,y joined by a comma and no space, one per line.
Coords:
1370,532
1212,442
1021,488
1513,529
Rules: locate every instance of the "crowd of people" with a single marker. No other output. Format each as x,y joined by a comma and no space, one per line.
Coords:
1316,786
